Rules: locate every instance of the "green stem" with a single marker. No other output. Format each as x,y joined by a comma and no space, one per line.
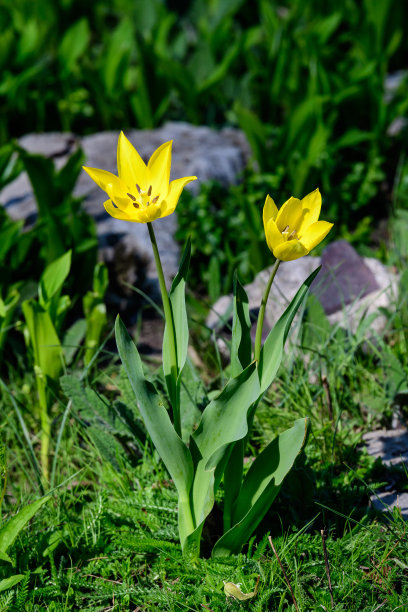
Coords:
168,315
45,427
261,315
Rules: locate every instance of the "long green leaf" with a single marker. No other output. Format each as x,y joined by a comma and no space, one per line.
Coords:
174,453
178,307
272,350
46,345
224,421
241,345
10,530
260,487
8,583
53,278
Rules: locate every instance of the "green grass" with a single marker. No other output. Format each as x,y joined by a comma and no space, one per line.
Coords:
108,540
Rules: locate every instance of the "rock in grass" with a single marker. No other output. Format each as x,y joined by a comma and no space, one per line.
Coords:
201,151
125,247
349,288
391,446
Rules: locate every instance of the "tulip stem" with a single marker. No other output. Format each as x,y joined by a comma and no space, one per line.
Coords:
174,392
261,315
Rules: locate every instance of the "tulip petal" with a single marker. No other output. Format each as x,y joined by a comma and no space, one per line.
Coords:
159,166
117,213
273,235
175,189
270,210
131,167
290,250
311,205
315,234
289,215
105,180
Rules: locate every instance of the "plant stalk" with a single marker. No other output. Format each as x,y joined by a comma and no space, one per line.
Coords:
168,315
261,315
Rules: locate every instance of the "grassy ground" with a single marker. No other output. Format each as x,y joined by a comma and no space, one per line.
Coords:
108,539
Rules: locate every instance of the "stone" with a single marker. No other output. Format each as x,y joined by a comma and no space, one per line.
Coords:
344,301
197,150
125,247
391,446
344,277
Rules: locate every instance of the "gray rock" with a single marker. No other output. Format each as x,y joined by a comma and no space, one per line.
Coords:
344,277
199,151
125,247
391,446
345,303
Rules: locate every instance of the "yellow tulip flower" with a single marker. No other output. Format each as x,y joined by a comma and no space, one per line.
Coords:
141,193
294,230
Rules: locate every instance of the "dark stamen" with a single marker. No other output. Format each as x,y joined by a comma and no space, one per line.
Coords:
149,193
136,205
286,229
132,197
155,199
138,188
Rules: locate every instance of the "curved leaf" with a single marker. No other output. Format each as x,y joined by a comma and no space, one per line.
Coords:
178,308
172,450
272,350
241,344
261,485
224,421
10,530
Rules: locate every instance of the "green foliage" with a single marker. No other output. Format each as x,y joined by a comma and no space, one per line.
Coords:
198,469
306,82
226,231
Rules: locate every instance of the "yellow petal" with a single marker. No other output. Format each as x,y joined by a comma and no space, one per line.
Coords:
290,250
131,167
315,234
311,205
273,235
106,180
116,212
270,210
159,166
289,214
173,196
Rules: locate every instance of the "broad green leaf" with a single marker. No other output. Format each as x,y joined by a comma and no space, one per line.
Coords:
67,177
272,350
8,583
10,530
241,344
53,278
260,487
41,173
43,337
73,45
174,453
178,308
178,305
73,339
116,58
5,557
95,323
224,421
233,481
353,137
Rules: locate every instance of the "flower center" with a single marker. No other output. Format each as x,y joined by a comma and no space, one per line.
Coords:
289,235
144,197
